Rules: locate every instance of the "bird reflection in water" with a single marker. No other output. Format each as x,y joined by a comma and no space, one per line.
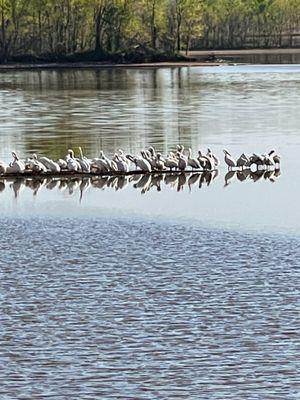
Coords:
73,186
254,176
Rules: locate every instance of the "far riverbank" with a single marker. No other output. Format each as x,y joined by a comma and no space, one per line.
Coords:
199,58
249,56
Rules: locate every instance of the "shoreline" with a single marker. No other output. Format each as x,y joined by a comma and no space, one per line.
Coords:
201,58
103,65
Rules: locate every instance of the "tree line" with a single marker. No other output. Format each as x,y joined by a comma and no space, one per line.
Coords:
120,27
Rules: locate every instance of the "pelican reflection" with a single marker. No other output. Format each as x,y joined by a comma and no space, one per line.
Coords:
144,183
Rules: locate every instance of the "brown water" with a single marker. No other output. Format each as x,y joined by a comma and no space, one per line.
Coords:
184,287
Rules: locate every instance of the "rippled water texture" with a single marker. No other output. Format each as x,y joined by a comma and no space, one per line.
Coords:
135,310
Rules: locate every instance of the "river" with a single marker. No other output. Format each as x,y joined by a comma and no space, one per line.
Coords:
166,288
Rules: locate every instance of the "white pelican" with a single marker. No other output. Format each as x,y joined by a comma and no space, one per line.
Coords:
192,162
147,155
160,163
152,151
229,160
83,161
171,162
143,164
121,164
123,157
16,166
49,164
214,158
106,160
72,164
182,161
3,167
113,165
35,164
204,161
140,163
180,149
62,163
99,165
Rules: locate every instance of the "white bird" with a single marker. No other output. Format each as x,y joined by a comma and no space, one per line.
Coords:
204,161
160,162
123,157
182,161
72,164
140,163
171,162
229,160
143,164
192,162
152,151
100,165
62,163
51,165
151,159
35,165
121,164
213,157
16,166
3,167
106,160
84,162
180,149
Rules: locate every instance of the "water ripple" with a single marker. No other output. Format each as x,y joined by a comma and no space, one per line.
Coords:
108,308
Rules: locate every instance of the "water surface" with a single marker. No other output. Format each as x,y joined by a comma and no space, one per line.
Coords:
110,308
135,289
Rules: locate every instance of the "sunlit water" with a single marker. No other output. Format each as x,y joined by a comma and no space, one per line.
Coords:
175,287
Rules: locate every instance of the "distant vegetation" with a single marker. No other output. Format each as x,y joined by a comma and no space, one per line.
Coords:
129,30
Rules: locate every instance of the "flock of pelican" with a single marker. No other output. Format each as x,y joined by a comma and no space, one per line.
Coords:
147,161
262,161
